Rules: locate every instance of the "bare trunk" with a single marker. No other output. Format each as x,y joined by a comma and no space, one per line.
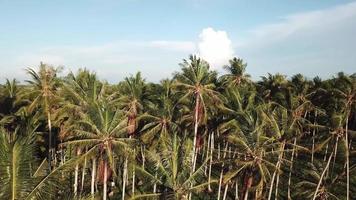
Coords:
290,168
143,156
222,171
225,192
155,185
207,154
211,159
197,98
93,174
276,171
347,160
322,176
133,180
124,178
247,188
220,183
105,187
335,152
83,175
76,174
237,190
49,141
314,130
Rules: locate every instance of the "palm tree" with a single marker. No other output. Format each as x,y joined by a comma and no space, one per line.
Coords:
196,84
347,94
132,98
171,170
162,118
236,73
103,130
247,130
42,94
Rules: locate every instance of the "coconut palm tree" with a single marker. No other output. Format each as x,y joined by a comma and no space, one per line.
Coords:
236,73
247,130
103,130
196,84
42,94
170,169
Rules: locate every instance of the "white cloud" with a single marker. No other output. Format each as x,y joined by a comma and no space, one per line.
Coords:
215,47
319,42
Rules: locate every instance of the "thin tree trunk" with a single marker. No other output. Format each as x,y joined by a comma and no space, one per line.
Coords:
155,185
237,190
207,154
76,174
291,167
195,131
222,171
83,176
49,141
276,192
249,182
93,174
211,160
276,171
105,187
225,192
133,178
314,130
143,156
336,146
322,176
124,179
347,160
326,151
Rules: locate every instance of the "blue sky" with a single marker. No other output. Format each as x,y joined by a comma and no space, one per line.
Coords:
119,38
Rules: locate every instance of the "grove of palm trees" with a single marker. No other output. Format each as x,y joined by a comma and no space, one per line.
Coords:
195,135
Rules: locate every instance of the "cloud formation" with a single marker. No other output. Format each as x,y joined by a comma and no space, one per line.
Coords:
215,47
315,43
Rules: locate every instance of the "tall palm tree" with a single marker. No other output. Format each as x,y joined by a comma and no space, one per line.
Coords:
247,130
171,170
236,73
42,94
196,84
103,130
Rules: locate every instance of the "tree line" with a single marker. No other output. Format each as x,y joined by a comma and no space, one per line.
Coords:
196,135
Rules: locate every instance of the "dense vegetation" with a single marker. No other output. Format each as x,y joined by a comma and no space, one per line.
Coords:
194,136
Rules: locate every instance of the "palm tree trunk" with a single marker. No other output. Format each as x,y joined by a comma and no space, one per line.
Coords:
196,123
222,171
314,130
76,174
291,167
210,160
49,141
237,190
347,160
322,176
276,170
247,187
105,187
207,154
225,191
133,180
124,179
92,189
155,185
83,176
335,152
143,156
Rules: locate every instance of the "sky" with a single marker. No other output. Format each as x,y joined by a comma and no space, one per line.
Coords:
117,38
